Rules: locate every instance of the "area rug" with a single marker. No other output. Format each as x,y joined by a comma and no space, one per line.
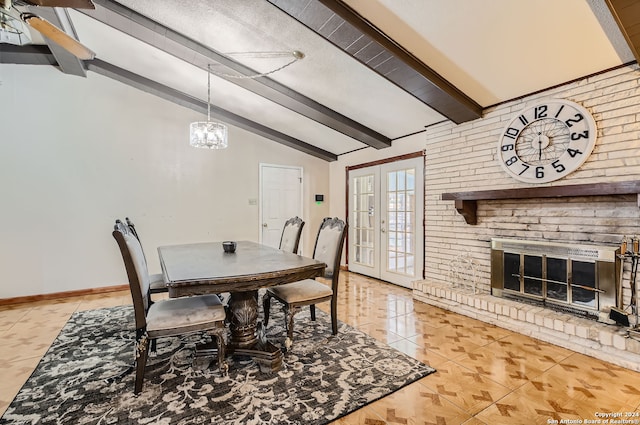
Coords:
324,377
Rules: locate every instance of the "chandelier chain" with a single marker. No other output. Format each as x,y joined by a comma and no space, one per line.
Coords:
208,92
296,57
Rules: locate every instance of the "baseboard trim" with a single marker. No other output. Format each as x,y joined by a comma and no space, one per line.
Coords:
66,294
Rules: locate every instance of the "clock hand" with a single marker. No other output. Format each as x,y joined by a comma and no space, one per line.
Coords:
539,148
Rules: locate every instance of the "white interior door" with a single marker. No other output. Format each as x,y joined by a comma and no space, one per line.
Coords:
386,212
280,199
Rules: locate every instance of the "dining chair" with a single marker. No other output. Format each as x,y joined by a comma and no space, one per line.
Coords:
156,280
168,317
293,296
291,232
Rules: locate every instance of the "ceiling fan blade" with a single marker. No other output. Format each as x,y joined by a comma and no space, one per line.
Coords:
58,36
76,4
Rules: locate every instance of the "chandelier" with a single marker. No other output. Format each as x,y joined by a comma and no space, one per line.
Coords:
214,135
210,135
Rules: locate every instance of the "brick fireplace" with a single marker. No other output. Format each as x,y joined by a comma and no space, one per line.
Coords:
566,223
462,158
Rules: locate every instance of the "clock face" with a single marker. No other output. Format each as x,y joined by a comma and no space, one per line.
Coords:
547,141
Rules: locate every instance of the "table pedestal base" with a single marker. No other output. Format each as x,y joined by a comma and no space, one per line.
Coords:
244,339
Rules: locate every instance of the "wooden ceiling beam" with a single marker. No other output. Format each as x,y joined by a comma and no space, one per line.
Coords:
30,54
339,24
163,38
153,87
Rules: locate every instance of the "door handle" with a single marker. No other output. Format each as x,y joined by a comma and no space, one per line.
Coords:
264,225
383,230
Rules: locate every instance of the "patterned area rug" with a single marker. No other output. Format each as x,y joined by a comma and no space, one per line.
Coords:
324,377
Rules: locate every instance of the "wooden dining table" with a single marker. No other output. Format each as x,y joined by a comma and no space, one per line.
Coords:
205,268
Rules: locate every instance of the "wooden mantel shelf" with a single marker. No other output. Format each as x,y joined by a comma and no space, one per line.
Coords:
466,202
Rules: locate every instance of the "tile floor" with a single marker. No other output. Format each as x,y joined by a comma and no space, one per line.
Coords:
485,374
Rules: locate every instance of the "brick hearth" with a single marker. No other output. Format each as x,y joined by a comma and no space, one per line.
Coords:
600,340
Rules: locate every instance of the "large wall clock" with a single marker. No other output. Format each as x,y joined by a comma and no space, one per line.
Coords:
547,141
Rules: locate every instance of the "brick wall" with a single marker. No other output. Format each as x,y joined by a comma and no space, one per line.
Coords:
463,158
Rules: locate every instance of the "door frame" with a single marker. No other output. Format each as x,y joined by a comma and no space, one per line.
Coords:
348,168
262,166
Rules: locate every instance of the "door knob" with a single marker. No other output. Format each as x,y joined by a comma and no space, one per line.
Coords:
264,224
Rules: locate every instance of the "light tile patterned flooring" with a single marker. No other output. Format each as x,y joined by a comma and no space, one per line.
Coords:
485,374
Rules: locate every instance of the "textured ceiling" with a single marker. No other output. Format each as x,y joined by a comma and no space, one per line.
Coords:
335,99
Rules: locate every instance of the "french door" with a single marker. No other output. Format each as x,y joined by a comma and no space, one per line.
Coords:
386,210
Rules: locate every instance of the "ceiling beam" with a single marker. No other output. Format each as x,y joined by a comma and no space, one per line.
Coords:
30,54
339,24
161,37
627,15
41,55
182,99
69,63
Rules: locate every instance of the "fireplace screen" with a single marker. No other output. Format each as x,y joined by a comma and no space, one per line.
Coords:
580,278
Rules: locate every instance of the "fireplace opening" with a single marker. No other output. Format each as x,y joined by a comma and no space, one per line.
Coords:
581,279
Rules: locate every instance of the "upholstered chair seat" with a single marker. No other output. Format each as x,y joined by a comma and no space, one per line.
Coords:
301,291
179,316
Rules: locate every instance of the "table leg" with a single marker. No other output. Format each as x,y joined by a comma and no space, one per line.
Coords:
244,340
243,320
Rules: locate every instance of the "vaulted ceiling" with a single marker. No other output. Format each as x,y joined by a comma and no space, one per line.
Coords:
373,72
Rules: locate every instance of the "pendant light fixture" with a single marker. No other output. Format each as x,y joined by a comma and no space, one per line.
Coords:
213,135
210,135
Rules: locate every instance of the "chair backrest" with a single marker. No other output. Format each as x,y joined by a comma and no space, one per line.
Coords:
291,232
136,268
132,229
328,246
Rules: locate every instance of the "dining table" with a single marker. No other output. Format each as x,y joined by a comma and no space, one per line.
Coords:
205,268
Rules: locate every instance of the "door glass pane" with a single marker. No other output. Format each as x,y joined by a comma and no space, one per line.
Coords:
364,213
411,179
400,205
392,201
400,263
410,259
410,201
401,180
393,221
391,261
400,224
408,222
411,249
401,217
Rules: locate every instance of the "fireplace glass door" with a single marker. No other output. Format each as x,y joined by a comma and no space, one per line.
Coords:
533,277
577,278
512,271
583,278
557,279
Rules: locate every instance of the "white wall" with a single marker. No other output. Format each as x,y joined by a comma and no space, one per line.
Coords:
77,153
